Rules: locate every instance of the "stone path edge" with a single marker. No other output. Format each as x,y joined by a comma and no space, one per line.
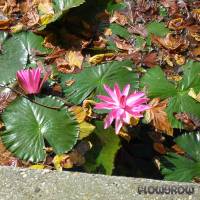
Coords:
27,184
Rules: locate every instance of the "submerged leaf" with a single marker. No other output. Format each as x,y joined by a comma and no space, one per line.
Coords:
100,159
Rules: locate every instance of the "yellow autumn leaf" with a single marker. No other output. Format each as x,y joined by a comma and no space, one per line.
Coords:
60,162
46,12
85,129
180,60
79,112
125,135
99,58
193,94
45,19
38,166
17,28
45,8
87,106
134,121
74,58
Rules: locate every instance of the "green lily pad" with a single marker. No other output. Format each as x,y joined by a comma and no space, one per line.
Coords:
91,80
29,125
18,52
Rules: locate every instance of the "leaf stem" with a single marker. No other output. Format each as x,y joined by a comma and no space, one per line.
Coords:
32,100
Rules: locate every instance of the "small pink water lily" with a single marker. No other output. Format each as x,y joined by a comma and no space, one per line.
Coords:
122,105
30,80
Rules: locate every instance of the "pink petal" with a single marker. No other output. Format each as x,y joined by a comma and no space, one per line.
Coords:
46,75
104,106
138,102
140,108
133,97
30,80
126,90
106,99
135,114
117,91
22,77
111,93
108,120
118,125
126,117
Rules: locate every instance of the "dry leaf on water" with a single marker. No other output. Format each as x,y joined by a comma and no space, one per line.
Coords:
6,97
100,58
157,115
171,42
159,147
79,112
6,157
74,58
74,158
119,18
177,149
189,124
150,60
177,24
194,95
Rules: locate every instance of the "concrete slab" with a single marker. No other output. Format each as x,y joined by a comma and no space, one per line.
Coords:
26,184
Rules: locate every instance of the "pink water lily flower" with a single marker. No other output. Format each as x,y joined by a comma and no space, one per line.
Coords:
30,80
122,106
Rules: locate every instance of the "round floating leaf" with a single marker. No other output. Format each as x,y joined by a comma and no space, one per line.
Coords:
92,79
18,52
29,125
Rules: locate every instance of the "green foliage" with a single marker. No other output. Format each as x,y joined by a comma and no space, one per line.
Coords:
163,11
3,36
157,28
111,7
18,52
139,42
119,30
92,79
183,168
100,159
158,86
29,126
61,7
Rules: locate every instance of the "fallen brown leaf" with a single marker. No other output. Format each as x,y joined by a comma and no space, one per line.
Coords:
159,147
177,24
174,43
119,18
158,116
74,58
150,60
186,120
